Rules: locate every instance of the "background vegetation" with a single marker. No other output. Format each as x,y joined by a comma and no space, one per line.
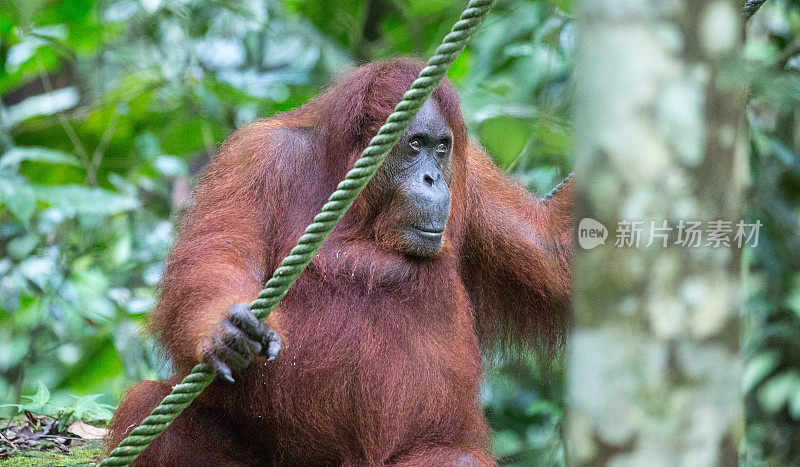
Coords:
772,269
109,110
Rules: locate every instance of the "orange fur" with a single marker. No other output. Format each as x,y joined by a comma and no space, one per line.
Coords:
380,361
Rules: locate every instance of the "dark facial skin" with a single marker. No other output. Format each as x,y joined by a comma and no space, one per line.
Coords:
417,175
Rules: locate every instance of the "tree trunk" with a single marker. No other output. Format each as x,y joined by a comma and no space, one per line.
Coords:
653,359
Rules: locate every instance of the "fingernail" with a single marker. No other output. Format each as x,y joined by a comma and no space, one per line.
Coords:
226,375
274,349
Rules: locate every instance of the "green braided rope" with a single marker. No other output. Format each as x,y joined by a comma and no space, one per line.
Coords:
316,233
558,187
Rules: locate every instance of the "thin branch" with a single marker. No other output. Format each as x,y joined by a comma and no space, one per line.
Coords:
99,152
68,129
61,436
6,440
208,137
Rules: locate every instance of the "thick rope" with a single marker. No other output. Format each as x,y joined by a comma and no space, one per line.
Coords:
316,233
558,187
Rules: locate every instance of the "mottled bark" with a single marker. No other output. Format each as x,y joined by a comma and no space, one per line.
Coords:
659,126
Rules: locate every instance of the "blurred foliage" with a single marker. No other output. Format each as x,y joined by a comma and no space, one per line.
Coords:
772,277
84,408
110,108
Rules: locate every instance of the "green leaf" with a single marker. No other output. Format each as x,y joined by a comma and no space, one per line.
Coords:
757,368
423,8
505,136
506,443
20,199
776,391
541,436
21,53
552,136
14,156
12,350
99,366
793,302
121,250
543,408
459,70
84,202
88,409
37,401
21,247
170,166
563,5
